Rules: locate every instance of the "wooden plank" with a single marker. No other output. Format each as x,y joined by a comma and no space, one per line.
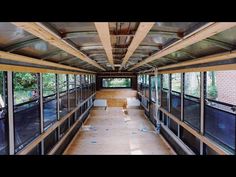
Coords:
202,69
14,68
25,59
142,31
115,98
104,34
208,30
47,35
118,133
203,60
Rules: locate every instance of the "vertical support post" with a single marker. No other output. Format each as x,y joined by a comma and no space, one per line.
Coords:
81,94
68,96
182,102
202,103
10,112
76,96
58,103
158,122
41,109
68,92
149,95
169,98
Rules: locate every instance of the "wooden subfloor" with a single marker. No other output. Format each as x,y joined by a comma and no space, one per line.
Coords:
115,131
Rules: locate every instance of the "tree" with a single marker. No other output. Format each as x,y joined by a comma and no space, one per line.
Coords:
212,90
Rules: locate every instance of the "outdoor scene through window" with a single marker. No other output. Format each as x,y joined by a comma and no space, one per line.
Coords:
116,82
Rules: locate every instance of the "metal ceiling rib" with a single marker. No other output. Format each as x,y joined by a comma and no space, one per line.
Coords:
104,34
207,31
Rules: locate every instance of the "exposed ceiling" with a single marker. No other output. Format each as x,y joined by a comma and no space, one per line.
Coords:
125,46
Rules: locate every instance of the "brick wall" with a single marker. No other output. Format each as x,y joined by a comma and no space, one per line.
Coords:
226,83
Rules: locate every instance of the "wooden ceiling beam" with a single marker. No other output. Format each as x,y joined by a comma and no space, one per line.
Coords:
30,60
105,37
39,30
203,60
141,33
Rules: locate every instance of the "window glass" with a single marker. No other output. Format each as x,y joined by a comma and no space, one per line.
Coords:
175,106
192,84
64,127
36,150
78,89
176,82
147,86
116,82
49,99
153,88
220,112
63,96
164,91
190,140
165,81
72,92
173,126
159,88
26,108
50,141
192,99
208,151
3,115
147,79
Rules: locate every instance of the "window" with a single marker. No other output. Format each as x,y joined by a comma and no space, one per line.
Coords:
64,127
159,88
3,115
83,87
116,82
190,140
49,99
26,108
175,106
143,85
220,104
173,126
208,151
153,88
50,141
147,86
192,99
72,119
147,79
78,89
63,96
36,150
72,92
164,91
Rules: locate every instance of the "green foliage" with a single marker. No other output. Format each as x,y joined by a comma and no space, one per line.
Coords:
49,84
25,81
212,92
117,82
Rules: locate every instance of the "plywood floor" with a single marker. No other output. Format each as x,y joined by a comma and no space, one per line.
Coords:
114,131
